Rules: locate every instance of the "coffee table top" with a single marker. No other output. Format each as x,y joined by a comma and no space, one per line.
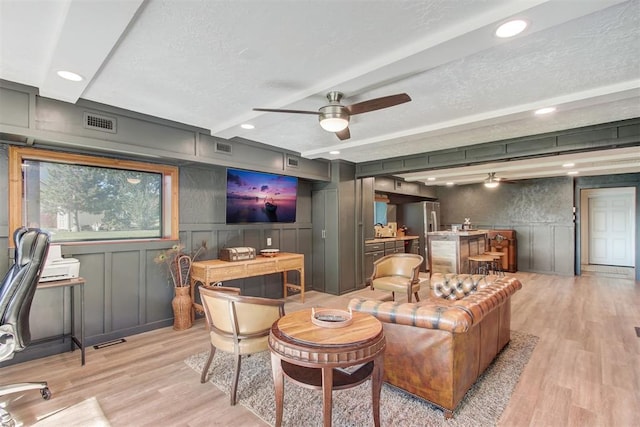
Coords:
298,327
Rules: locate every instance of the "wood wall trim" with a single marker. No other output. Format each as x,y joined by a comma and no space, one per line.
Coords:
18,154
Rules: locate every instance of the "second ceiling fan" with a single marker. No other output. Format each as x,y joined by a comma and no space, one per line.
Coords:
334,117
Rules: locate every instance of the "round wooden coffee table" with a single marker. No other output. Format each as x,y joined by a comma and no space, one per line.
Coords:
307,354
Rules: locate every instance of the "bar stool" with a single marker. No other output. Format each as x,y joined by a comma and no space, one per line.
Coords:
497,262
483,263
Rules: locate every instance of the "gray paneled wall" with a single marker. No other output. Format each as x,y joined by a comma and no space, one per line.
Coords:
126,292
540,210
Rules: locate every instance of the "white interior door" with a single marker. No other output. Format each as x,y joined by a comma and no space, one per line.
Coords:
611,214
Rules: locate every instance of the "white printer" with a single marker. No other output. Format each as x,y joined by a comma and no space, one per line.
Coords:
58,268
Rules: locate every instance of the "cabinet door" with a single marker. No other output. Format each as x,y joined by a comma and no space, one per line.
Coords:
325,241
369,259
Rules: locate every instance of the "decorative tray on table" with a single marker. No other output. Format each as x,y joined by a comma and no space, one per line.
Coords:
269,252
331,318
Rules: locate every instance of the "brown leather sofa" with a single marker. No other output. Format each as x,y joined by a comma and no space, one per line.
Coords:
437,348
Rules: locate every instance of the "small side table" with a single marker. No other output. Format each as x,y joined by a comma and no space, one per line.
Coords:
307,354
71,284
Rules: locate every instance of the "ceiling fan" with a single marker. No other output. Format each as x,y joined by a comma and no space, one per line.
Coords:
334,117
492,181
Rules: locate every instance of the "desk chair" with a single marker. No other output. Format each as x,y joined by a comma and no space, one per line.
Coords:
16,294
397,273
237,324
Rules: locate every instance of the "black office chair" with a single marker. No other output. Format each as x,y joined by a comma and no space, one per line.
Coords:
16,294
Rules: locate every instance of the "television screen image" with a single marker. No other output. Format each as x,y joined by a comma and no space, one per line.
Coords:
260,197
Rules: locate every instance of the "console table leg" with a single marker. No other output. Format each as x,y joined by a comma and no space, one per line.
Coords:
278,383
327,389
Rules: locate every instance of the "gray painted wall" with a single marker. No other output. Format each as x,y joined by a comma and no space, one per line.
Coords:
540,211
126,292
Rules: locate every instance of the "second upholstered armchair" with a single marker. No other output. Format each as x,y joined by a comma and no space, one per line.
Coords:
397,273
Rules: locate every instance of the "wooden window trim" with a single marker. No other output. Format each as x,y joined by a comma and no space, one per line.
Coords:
170,187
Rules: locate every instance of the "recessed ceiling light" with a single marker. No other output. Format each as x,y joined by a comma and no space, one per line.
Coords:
449,184
247,126
546,110
572,173
68,75
431,178
511,28
334,152
568,165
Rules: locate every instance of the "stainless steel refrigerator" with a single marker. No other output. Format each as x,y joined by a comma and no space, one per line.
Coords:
420,219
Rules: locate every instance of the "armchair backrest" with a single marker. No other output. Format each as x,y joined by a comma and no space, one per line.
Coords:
19,284
237,316
400,264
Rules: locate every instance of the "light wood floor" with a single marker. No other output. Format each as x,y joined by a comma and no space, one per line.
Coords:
585,370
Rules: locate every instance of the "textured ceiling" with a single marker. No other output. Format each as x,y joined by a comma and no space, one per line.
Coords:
208,63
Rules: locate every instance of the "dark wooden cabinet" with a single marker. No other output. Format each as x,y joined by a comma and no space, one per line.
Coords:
505,241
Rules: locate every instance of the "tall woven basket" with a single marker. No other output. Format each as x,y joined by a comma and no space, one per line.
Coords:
181,303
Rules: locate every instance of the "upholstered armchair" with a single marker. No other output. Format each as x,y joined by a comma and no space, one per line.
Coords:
237,324
397,273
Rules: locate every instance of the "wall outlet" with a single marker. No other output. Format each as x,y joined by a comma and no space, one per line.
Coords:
268,241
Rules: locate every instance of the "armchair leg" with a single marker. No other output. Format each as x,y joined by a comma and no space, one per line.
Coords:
234,386
417,297
205,369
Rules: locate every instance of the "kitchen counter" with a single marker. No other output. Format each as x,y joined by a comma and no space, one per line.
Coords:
390,239
449,251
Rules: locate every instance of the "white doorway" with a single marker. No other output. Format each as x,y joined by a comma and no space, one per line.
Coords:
608,227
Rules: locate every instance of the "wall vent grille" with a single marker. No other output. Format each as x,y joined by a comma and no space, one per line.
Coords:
223,148
292,162
101,123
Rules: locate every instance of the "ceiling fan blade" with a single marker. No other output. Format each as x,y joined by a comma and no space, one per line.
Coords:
378,103
275,110
343,134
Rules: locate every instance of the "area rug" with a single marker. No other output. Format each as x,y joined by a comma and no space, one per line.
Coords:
482,405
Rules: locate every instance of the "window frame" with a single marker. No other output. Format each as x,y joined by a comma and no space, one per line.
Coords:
170,193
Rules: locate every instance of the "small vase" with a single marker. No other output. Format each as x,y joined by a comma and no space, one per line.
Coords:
181,304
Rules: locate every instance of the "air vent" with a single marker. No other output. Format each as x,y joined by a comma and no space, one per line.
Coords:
292,162
223,148
98,122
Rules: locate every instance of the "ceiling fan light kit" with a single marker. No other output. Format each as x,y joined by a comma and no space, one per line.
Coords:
333,118
491,181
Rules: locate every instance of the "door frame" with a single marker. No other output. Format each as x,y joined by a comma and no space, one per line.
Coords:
587,193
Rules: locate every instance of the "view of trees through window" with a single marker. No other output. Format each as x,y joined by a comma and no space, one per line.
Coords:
76,202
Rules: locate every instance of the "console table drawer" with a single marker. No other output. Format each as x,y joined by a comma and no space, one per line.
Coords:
227,272
261,268
289,264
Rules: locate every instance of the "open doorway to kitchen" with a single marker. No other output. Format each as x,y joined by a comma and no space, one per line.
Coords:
608,231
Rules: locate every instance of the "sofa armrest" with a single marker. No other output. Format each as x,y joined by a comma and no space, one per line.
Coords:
430,314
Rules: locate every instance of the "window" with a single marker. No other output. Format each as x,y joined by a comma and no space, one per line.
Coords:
85,198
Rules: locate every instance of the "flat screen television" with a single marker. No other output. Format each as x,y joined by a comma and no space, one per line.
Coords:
260,197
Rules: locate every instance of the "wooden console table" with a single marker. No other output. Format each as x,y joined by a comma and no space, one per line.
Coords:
307,354
216,270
